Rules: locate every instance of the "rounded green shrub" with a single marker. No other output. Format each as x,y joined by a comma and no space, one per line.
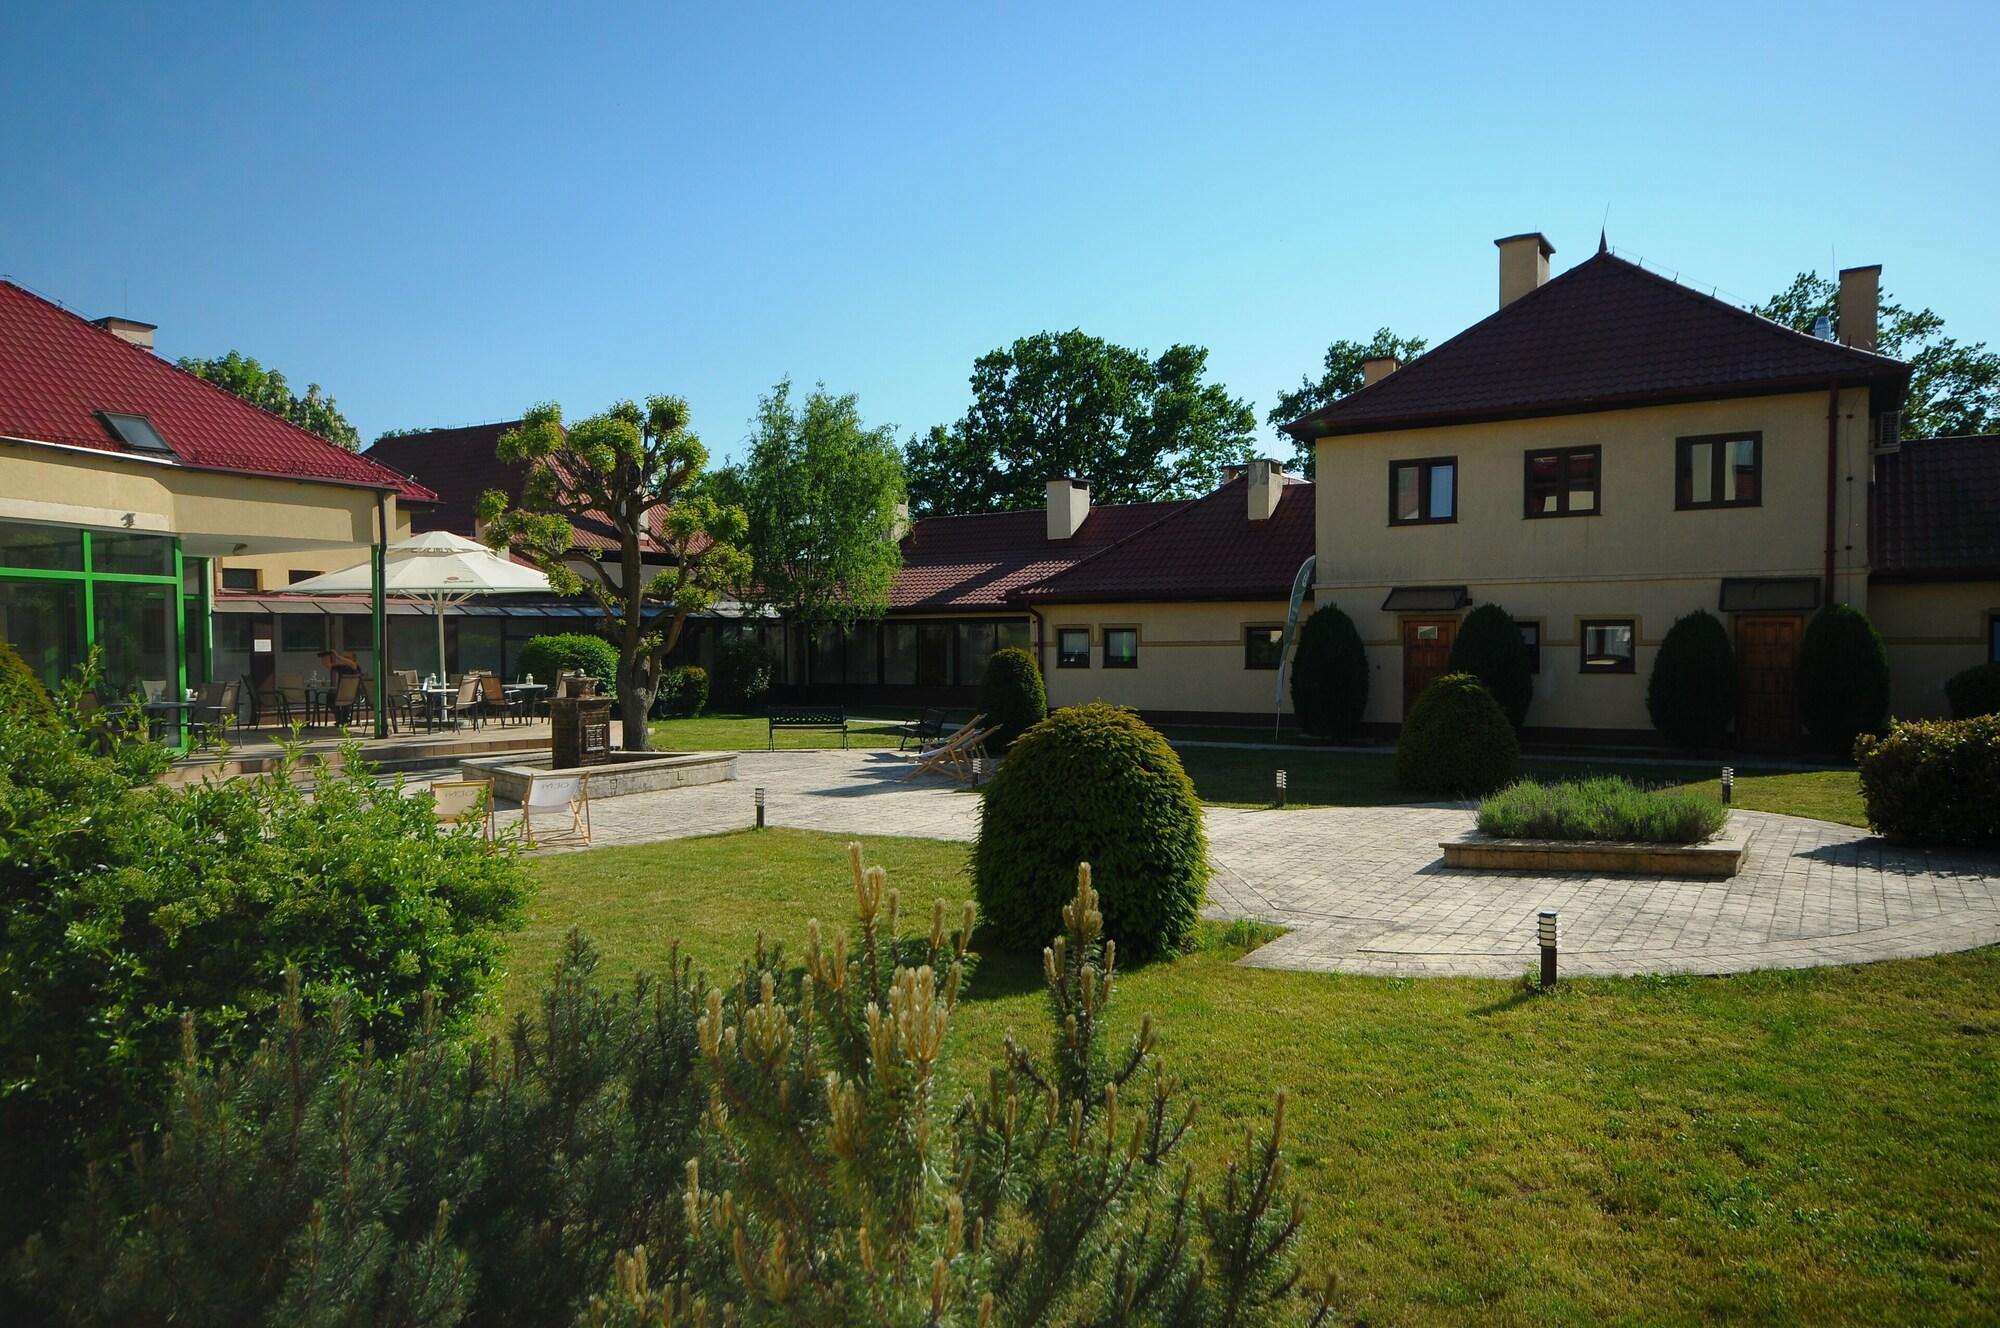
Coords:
1974,692
1843,679
1011,696
1692,693
683,692
1489,647
546,656
1329,675
1456,741
1091,783
1934,782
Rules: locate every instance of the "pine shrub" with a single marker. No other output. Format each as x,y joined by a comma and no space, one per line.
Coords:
683,692
1091,783
1692,693
1934,782
1456,742
1011,696
1843,679
1329,675
1489,647
545,656
1974,692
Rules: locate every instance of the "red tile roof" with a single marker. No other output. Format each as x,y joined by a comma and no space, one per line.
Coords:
1604,335
1935,510
57,371
971,562
1205,550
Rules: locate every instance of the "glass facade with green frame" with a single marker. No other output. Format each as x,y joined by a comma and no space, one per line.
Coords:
129,594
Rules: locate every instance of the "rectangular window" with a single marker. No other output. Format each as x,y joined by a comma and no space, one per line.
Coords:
1423,491
298,575
899,653
240,578
40,548
1531,641
1073,648
235,633
1263,647
1015,636
975,647
1607,645
1121,647
861,652
357,634
827,655
302,633
132,555
1719,470
1563,482
933,654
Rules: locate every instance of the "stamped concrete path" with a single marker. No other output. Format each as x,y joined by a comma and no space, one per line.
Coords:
1364,889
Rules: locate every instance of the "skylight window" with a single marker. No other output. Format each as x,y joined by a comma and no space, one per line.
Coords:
136,432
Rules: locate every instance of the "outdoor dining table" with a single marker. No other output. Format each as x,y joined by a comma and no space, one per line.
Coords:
164,712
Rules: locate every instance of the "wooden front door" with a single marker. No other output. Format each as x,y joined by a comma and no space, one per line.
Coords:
1767,681
1426,649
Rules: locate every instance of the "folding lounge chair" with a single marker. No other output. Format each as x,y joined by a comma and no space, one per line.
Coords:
465,801
559,800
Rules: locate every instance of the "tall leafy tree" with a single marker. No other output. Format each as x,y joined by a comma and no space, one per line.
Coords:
636,469
242,376
1066,403
820,489
1954,387
1340,375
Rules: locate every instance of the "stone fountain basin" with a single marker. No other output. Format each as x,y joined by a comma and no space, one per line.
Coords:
618,774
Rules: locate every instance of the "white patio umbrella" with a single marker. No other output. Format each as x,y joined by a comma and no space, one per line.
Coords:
438,567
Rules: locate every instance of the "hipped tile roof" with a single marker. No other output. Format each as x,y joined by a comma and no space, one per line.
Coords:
58,371
971,562
1936,510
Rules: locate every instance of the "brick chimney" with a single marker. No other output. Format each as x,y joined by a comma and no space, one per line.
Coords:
1267,485
1069,504
1524,264
128,329
1377,367
1860,304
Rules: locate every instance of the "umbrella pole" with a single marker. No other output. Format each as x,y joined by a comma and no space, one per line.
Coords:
437,612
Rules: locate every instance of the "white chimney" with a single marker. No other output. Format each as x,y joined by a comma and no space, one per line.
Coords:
128,329
1267,485
899,526
1377,367
1860,303
1524,264
1069,504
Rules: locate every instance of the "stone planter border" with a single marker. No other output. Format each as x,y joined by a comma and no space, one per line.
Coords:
1715,858
621,773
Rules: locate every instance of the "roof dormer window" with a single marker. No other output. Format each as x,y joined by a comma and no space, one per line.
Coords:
136,432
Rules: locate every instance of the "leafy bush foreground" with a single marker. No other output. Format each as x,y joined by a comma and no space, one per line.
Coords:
1605,808
1934,782
770,1149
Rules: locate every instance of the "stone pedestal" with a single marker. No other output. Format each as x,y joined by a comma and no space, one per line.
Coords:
580,731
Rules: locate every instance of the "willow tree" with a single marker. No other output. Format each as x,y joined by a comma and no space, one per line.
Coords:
630,472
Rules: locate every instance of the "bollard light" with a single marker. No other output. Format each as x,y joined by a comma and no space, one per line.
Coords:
978,770
1728,784
1548,933
1281,788
760,806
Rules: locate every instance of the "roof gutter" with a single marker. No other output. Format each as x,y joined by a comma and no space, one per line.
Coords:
1832,477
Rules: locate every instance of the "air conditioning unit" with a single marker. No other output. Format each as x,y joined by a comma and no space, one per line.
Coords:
1888,432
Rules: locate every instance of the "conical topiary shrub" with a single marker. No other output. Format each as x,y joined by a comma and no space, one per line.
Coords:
1488,647
1011,696
1329,675
1091,783
1456,742
1843,679
1692,693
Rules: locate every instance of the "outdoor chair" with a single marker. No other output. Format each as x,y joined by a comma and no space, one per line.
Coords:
406,699
215,704
953,756
348,698
559,800
295,701
464,802
464,704
495,701
928,727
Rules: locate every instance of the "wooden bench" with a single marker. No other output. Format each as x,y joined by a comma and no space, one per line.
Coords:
805,717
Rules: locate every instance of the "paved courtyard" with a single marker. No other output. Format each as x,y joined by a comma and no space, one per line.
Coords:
1364,890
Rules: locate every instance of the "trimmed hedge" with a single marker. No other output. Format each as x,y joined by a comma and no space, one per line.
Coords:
1456,741
1974,692
1692,693
546,656
1091,783
1843,679
1011,695
1489,647
683,692
1329,675
1934,782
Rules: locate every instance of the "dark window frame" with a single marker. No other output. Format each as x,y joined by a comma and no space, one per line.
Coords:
1562,454
298,574
1425,466
1109,661
1583,664
1064,659
1684,500
256,580
1522,625
1248,662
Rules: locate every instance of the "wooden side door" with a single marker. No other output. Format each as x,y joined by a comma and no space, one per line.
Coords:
1767,681
1426,650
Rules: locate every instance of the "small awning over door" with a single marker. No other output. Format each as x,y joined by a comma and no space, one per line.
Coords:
1426,599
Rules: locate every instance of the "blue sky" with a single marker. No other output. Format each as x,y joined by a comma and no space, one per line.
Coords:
445,216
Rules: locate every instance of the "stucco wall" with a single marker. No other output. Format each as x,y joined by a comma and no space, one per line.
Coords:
1190,657
1933,630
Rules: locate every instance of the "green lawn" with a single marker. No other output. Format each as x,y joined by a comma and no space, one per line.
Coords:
1808,1147
730,732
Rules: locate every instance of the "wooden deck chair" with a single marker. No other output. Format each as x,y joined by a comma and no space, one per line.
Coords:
959,766
941,755
554,798
465,801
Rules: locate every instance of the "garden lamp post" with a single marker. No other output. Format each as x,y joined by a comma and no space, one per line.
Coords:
1547,932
